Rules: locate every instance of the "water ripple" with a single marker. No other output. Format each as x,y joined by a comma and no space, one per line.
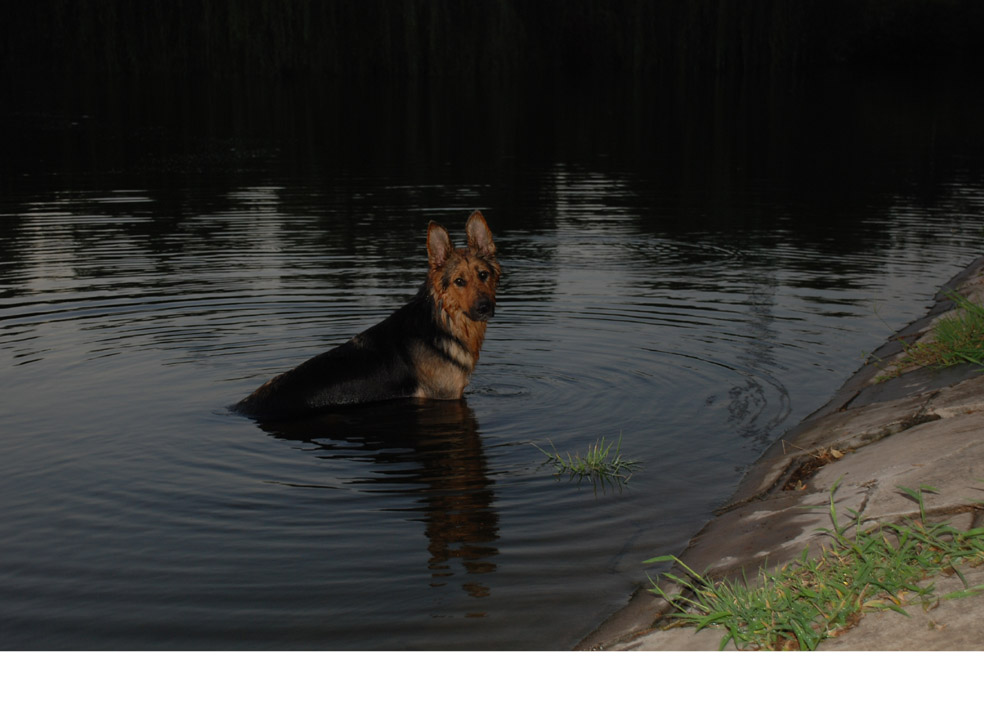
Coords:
138,509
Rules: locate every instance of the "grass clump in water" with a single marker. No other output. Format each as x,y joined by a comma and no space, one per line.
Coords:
809,600
602,464
957,338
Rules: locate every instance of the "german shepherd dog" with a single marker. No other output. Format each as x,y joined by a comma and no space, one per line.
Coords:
426,349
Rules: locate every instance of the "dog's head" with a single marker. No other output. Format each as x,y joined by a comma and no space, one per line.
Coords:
464,280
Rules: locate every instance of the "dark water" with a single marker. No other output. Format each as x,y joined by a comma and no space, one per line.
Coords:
694,269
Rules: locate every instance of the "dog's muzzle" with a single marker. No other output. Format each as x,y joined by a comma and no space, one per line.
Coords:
483,309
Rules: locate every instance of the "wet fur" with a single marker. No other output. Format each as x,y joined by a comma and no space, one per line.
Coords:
426,349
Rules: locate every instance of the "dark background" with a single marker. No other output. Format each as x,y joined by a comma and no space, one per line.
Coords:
482,38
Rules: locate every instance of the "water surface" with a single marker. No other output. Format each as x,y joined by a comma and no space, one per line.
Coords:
691,271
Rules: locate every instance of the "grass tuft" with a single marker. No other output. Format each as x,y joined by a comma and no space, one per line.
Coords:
811,599
957,338
602,464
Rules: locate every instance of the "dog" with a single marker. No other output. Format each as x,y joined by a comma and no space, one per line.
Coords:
426,349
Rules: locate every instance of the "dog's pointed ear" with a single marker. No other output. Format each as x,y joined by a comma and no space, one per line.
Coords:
479,235
438,245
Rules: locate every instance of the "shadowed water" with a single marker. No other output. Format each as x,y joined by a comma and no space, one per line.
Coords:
695,274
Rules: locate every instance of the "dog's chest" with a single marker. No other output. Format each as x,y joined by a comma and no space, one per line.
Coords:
442,374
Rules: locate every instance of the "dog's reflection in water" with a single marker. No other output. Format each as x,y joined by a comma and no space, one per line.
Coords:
436,460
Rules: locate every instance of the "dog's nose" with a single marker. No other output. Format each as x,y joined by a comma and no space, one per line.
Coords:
485,307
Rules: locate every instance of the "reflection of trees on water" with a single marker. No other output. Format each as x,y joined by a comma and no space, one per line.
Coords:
429,453
637,155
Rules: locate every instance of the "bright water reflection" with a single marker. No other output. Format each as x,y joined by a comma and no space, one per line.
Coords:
134,307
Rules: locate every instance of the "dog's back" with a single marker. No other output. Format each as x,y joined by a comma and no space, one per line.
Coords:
428,348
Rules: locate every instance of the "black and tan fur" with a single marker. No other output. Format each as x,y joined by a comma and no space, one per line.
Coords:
426,349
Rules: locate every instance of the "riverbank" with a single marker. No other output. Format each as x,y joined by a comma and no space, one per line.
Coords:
888,426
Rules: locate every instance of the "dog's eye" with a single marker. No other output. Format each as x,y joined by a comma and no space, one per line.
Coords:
460,282
483,275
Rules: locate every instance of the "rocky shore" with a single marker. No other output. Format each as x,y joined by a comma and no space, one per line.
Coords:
919,426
